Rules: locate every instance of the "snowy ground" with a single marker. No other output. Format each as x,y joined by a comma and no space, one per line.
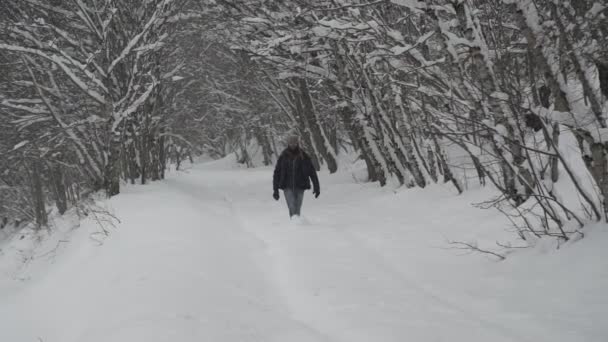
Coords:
207,255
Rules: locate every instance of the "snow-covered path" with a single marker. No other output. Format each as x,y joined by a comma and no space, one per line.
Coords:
207,255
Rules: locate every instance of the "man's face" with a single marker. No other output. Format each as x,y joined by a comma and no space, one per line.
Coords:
292,143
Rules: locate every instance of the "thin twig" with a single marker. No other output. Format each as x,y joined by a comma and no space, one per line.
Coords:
472,247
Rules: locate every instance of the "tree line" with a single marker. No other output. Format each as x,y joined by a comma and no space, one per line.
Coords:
513,90
85,93
95,92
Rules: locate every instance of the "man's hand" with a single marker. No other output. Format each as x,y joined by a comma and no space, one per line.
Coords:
275,195
317,193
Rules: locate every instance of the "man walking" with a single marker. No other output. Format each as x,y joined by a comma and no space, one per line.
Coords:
292,174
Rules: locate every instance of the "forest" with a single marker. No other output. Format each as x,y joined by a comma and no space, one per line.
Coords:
509,94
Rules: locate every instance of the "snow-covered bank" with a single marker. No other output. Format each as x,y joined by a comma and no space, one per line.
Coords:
207,255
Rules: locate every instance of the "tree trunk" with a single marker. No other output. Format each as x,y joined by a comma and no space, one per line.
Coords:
602,69
38,194
319,137
61,200
347,114
112,170
264,143
162,154
599,169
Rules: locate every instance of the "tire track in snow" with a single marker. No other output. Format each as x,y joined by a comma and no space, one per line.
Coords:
195,191
399,276
279,251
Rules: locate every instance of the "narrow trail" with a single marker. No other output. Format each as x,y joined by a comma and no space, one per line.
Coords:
207,255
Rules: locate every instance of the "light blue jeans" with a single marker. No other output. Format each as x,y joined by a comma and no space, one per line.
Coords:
294,200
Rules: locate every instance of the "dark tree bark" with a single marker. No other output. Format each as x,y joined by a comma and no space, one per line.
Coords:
317,132
59,189
38,197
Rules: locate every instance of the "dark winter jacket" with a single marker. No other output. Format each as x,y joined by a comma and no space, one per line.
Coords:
294,169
